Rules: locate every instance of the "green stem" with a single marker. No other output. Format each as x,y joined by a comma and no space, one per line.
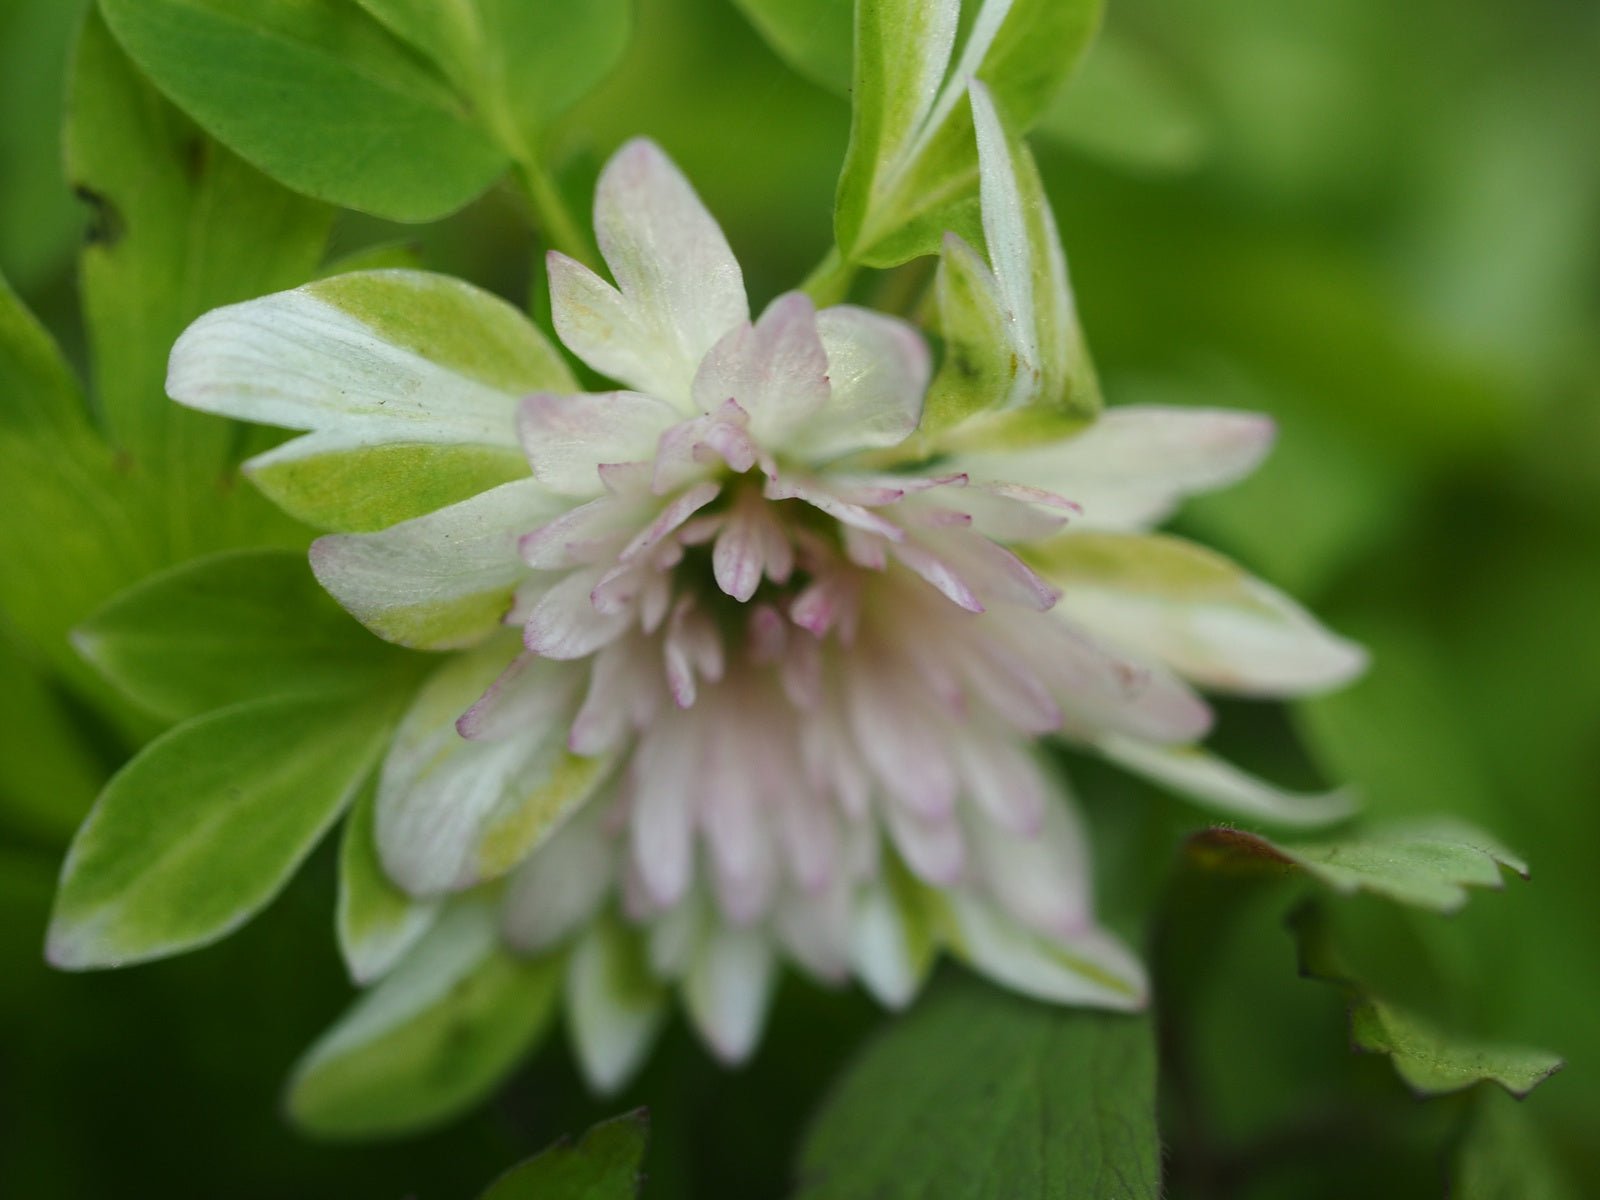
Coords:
830,279
555,220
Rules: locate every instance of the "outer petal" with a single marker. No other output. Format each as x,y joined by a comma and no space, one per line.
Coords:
441,581
891,944
562,885
776,369
568,437
1090,968
1218,784
453,812
1164,598
679,287
614,1006
878,371
729,988
1131,467
394,356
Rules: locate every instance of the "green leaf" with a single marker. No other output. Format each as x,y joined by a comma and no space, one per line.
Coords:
319,96
1429,1060
50,772
430,1040
604,1165
179,226
205,826
236,626
812,36
377,922
980,1094
910,171
519,62
1425,864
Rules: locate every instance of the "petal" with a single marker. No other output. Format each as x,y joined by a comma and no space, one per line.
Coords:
614,1007
664,780
729,989
680,286
564,623
453,812
562,885
1040,878
1090,968
878,370
776,370
392,356
1169,599
568,437
1131,467
437,582
1218,784
752,545
891,945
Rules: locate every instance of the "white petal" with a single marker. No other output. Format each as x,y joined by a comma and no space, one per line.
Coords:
564,623
562,884
1131,467
1168,599
729,988
776,370
878,370
614,1007
452,812
1092,968
1218,784
664,779
441,581
568,437
681,288
1041,878
299,360
751,546
891,946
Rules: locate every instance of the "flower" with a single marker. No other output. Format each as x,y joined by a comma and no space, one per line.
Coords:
762,697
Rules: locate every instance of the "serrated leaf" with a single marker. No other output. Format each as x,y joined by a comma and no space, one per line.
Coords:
1429,865
433,1038
604,1165
236,626
1430,1060
910,171
519,62
377,922
319,96
978,1094
206,824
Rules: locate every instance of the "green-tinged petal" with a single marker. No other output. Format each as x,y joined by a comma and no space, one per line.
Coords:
236,626
1428,864
1131,467
1219,785
615,1005
206,825
442,1030
377,922
453,810
893,941
1091,968
1165,598
344,484
441,581
389,356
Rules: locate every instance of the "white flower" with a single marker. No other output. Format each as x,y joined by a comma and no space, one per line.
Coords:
763,702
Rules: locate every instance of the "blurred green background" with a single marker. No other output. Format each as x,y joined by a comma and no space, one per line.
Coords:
1378,222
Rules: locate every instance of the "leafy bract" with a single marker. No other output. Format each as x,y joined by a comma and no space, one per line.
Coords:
376,921
1014,353
319,96
979,1095
236,626
911,168
603,1165
439,1032
1430,1060
206,824
1429,865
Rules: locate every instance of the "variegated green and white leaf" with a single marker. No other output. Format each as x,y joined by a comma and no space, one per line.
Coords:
377,923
